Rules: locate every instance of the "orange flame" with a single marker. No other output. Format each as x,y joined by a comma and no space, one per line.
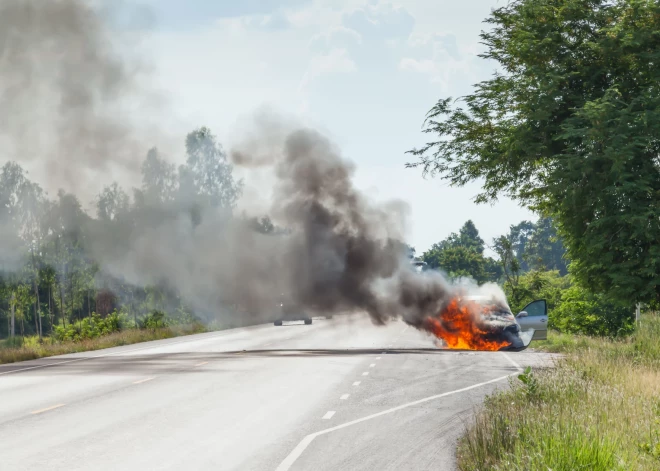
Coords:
458,326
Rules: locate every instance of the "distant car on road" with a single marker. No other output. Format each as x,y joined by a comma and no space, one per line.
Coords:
289,311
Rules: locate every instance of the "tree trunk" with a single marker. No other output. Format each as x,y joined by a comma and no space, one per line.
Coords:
50,309
62,306
71,293
37,309
134,310
13,315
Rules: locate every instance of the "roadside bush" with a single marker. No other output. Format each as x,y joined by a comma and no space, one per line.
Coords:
581,312
534,285
155,320
90,327
596,409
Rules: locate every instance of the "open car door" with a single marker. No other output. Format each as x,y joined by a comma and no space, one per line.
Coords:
534,316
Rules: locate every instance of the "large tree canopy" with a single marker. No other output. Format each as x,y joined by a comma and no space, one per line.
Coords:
569,126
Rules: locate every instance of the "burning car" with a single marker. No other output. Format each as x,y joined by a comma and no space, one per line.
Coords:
479,323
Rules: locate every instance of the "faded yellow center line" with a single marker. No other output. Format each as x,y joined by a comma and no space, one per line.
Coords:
47,409
202,363
143,380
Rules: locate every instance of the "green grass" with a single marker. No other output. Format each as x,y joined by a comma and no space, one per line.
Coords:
30,348
597,409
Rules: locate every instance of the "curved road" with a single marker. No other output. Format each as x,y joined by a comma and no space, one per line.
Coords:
338,394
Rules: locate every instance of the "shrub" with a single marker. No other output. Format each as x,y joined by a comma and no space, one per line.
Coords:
155,320
581,312
90,327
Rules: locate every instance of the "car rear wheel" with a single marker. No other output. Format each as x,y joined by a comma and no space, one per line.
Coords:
308,321
278,322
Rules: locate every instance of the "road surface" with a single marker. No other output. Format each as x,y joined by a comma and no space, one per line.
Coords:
338,394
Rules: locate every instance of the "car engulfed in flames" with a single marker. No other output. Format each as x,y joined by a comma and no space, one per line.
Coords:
478,323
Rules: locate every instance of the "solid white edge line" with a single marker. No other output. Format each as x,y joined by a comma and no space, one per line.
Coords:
512,361
304,443
34,412
143,380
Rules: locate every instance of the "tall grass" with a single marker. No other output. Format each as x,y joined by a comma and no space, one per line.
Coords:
29,348
597,409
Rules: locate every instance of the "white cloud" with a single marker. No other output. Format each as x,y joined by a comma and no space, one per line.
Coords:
338,36
335,61
440,58
367,84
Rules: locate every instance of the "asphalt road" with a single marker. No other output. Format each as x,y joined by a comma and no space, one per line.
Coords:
335,395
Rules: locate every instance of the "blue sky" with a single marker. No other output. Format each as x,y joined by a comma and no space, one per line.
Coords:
363,71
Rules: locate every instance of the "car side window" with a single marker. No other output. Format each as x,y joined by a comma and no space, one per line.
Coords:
536,308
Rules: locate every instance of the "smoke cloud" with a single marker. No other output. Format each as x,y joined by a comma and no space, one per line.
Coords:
68,93
68,96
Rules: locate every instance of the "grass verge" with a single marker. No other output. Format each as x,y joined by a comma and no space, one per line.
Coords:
31,349
598,409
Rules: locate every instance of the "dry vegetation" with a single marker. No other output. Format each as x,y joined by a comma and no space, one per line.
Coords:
30,348
598,409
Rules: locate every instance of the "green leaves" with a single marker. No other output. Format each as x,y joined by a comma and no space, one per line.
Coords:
461,255
571,129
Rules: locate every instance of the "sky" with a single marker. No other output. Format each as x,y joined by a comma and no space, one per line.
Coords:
364,72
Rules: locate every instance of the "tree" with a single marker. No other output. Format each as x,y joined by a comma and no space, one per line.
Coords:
544,249
159,179
112,203
569,126
207,176
461,255
519,235
503,246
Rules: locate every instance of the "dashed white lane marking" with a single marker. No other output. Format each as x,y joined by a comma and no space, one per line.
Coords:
268,344
372,365
298,450
46,409
357,383
344,396
366,373
202,363
377,358
383,353
143,380
329,414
